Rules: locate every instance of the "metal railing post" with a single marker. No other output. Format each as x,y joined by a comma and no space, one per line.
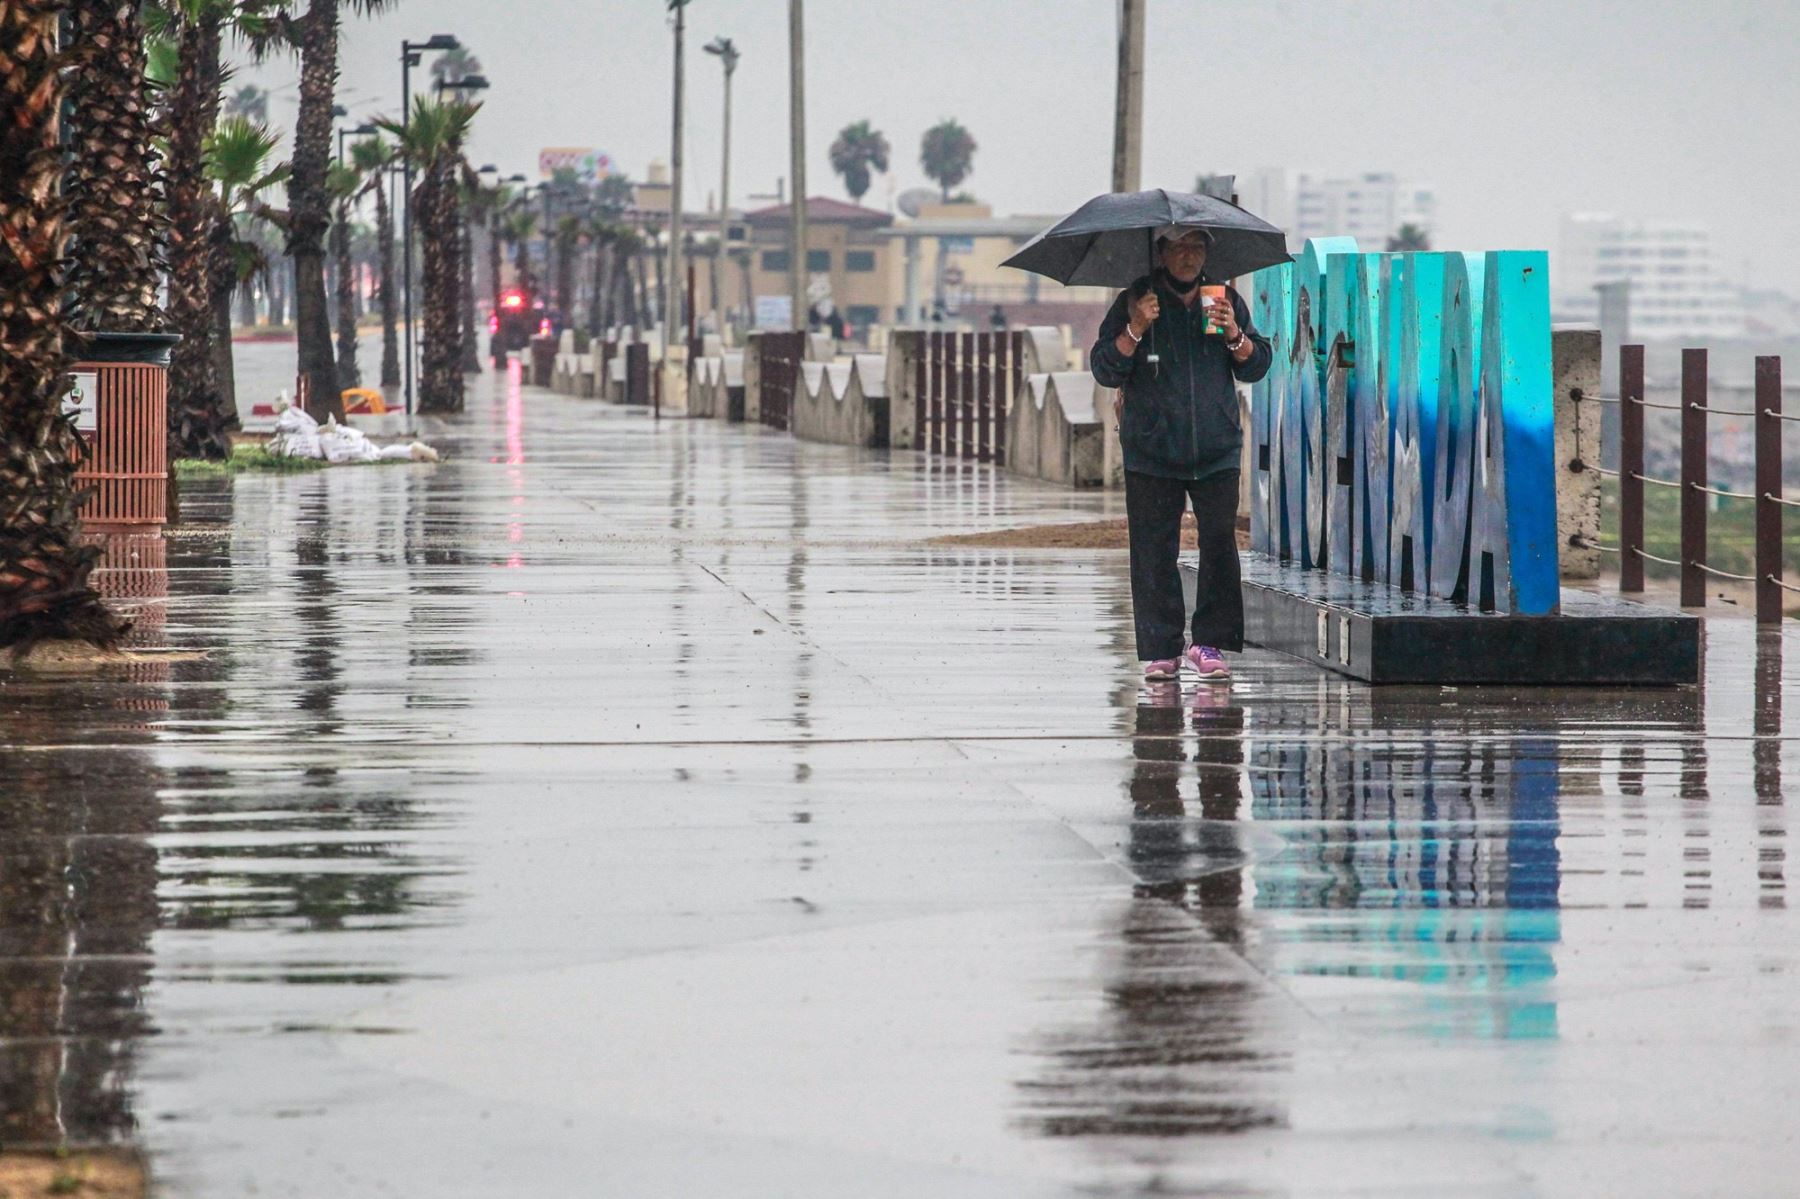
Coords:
1768,490
1631,468
1693,477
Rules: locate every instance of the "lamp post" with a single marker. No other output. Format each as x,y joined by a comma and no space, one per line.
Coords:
672,318
728,58
411,55
797,160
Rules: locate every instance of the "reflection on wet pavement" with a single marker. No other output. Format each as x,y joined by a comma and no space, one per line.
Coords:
644,808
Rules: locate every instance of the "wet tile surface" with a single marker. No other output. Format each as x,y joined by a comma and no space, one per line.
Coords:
646,810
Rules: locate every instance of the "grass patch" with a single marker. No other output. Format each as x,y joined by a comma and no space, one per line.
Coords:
1730,532
251,457
245,458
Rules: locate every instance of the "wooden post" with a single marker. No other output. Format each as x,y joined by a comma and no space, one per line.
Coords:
1631,466
935,441
966,394
984,403
1768,490
952,392
1693,477
921,367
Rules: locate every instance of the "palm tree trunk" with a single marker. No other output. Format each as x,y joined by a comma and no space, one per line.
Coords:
44,568
493,249
196,406
222,262
440,373
116,220
565,277
310,205
471,353
390,307
347,373
597,301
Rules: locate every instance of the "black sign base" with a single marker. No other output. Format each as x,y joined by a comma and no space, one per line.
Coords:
1381,634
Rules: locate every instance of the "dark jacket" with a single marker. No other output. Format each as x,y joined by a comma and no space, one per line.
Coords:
1181,415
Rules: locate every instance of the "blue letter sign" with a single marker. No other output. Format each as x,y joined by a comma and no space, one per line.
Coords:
1404,432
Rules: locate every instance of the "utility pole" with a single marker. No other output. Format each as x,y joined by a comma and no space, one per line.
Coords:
1128,111
797,166
728,57
672,318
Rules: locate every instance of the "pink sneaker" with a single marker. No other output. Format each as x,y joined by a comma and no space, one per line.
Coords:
1207,662
1162,670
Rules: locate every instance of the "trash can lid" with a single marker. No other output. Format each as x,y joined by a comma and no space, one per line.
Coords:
149,349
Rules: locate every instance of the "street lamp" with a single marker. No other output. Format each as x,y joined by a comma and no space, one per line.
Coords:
728,58
411,55
364,130
672,318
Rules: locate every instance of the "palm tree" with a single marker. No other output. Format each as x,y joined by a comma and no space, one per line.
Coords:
250,102
947,153
858,148
371,158
568,238
44,568
344,183
309,194
480,204
238,154
198,419
116,218
453,66
517,230
1409,237
433,141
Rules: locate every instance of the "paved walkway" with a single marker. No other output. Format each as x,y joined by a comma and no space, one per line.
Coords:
647,810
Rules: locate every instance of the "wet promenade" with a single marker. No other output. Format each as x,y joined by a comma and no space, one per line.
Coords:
649,810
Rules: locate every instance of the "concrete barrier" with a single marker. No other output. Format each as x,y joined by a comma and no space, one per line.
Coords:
1060,428
717,391
1063,427
844,403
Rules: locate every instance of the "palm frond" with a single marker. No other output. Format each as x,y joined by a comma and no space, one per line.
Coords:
237,154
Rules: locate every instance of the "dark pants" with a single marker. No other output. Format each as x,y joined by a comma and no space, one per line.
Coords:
1153,508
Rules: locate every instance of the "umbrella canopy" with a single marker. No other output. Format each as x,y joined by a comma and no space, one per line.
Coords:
1111,240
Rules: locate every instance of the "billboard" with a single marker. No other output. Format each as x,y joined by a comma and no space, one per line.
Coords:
590,165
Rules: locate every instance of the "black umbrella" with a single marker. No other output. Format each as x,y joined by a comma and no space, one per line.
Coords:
1111,240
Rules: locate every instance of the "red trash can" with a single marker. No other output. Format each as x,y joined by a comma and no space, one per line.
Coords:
122,383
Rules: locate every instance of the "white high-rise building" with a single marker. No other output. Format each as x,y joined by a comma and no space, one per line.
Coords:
1370,207
1675,287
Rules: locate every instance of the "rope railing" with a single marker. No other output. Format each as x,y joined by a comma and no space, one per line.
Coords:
1721,492
1692,484
1588,543
1722,574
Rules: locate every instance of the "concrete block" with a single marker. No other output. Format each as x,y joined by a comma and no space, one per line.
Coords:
1575,363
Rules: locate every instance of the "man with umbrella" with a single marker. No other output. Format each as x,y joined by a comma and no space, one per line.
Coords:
1175,343
1179,429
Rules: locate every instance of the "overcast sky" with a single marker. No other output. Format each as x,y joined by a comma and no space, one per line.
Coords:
1517,111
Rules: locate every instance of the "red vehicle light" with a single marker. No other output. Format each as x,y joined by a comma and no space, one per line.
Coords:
511,300
544,325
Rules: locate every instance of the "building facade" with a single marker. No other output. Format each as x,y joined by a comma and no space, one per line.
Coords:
1675,286
1371,207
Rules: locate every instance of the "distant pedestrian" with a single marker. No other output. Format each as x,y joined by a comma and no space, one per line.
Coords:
997,320
1178,426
